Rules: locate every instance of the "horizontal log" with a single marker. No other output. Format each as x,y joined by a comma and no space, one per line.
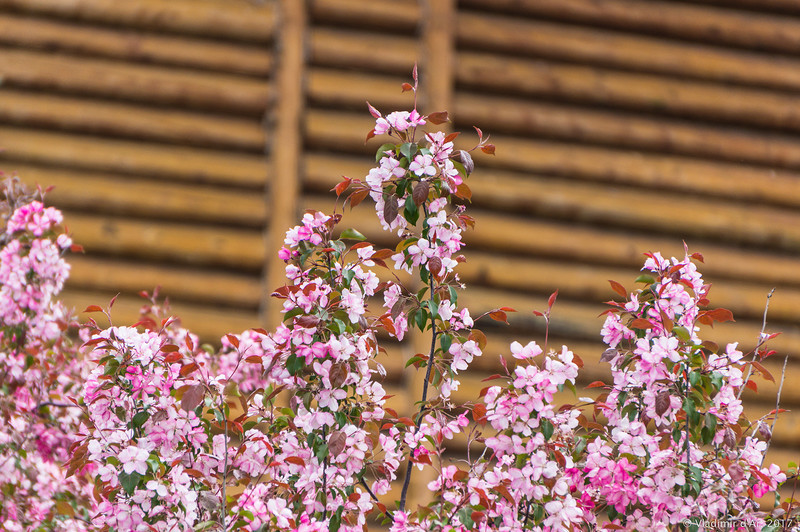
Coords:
132,121
644,92
701,23
501,232
208,322
692,216
147,159
117,194
621,129
348,49
334,88
595,46
390,15
246,21
127,45
337,89
653,172
198,286
144,83
242,249
782,6
346,131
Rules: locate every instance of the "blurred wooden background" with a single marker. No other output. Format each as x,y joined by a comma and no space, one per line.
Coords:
185,136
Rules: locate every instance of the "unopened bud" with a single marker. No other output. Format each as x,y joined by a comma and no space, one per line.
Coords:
764,432
466,160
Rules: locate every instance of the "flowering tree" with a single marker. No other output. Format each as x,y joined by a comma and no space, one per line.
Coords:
143,429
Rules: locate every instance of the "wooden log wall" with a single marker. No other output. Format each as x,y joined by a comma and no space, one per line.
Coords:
185,136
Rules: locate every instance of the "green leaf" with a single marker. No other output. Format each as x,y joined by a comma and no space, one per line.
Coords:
408,150
129,481
352,234
421,319
411,211
460,167
681,333
711,422
336,520
694,378
465,516
706,435
140,419
294,364
445,341
433,308
547,429
646,279
384,148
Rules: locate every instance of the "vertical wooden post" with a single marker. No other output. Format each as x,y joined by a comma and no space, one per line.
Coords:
288,104
437,33
438,26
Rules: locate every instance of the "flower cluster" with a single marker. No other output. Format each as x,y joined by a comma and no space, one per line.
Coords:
290,429
38,372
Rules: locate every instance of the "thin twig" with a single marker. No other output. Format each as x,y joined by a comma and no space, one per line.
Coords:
410,466
758,344
777,405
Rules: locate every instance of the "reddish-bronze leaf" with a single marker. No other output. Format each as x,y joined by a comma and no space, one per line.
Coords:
93,308
390,209
662,402
451,137
488,149
479,413
173,357
357,197
406,87
336,442
618,288
307,321
374,112
596,384
499,315
552,300
439,117
463,191
761,369
752,385
641,323
188,368
193,397
234,341
342,186
194,473
296,460
420,192
435,265
478,337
